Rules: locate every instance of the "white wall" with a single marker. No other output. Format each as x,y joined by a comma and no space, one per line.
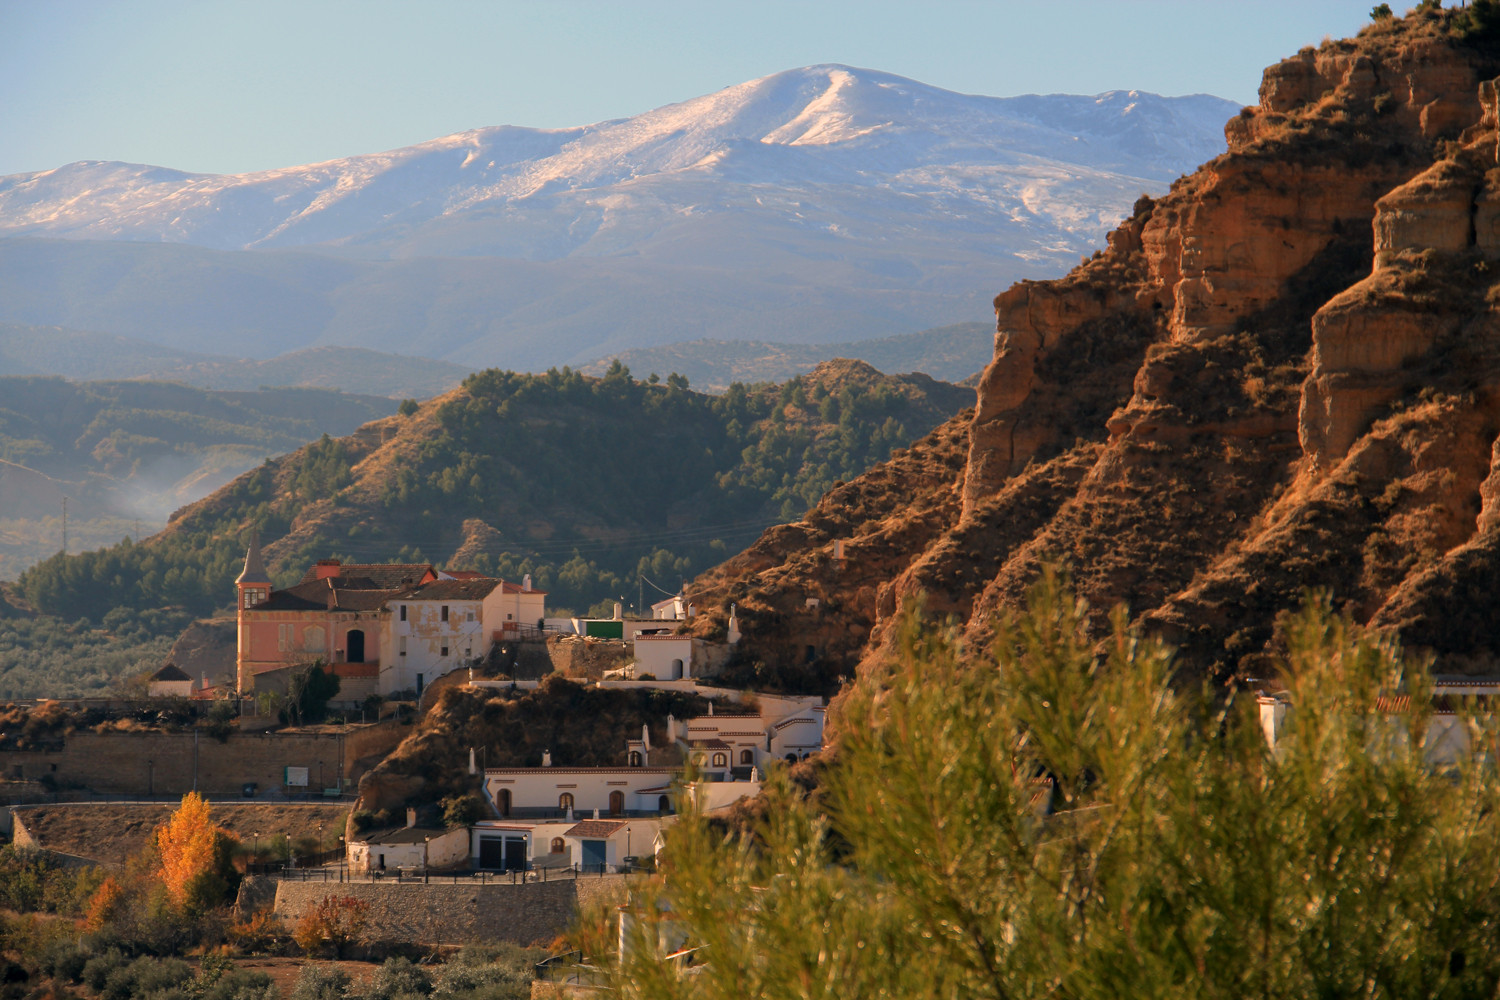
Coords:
424,635
540,787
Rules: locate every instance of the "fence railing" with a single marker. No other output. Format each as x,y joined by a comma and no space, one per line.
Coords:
408,875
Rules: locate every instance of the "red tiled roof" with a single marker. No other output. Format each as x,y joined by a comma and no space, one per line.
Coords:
595,828
382,576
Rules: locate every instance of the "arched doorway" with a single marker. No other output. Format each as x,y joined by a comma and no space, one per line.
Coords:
354,644
747,757
664,804
616,802
503,801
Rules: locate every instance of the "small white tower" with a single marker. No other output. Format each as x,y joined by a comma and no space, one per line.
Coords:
734,624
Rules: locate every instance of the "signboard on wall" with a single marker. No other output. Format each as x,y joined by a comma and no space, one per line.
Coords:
296,776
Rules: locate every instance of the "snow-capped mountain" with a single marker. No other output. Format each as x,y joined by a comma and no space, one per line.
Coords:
805,188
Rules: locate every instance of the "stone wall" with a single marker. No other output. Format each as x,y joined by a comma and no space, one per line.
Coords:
155,763
462,913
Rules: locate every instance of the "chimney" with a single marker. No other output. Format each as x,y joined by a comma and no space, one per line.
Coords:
671,729
411,818
472,768
526,583
619,611
646,737
327,568
596,812
546,758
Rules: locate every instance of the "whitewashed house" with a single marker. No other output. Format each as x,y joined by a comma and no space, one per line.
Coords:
170,682
437,627
574,792
608,842
411,846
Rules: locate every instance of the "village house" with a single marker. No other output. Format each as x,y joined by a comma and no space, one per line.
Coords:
443,624
170,682
411,846
786,727
335,614
381,628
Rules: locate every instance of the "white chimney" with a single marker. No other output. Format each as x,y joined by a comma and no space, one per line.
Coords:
619,611
671,729
596,812
546,758
411,818
526,583
734,624
472,768
646,737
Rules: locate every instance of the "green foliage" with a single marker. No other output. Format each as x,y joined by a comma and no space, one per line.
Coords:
1057,819
308,692
320,982
636,481
407,408
462,810
1381,12
31,883
46,657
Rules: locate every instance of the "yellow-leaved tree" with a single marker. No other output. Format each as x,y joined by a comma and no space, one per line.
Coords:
196,856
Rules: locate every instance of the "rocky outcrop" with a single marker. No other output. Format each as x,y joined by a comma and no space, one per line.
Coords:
1283,373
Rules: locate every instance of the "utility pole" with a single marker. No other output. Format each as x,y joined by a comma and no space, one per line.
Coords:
65,526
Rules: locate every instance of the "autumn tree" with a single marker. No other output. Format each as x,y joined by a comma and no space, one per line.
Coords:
334,922
104,904
196,856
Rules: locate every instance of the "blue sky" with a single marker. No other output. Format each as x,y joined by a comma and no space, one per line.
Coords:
225,86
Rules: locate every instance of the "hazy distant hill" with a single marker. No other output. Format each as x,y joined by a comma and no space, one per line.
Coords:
128,453
819,205
84,356
593,486
948,354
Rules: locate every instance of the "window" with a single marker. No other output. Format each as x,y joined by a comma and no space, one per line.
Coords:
747,757
401,644
403,612
445,612
558,846
664,804
565,800
468,616
312,639
721,760
445,650
284,637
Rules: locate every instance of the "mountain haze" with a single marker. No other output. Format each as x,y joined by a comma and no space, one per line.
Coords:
822,204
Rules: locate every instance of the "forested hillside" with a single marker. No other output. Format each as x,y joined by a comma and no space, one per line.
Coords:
597,487
127,453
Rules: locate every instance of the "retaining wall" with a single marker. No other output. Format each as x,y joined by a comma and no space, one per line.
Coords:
160,764
466,913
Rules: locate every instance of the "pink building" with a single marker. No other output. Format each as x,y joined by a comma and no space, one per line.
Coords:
335,614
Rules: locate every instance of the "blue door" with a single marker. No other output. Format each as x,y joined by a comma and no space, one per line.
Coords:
593,853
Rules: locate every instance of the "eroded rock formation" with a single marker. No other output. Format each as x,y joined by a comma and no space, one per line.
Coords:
1284,373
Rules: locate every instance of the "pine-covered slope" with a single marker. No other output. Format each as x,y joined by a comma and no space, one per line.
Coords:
1244,395
594,486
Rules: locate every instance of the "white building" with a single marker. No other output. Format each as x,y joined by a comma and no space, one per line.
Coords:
608,842
575,792
437,627
171,681
409,847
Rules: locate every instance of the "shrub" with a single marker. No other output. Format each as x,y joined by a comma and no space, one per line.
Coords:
320,982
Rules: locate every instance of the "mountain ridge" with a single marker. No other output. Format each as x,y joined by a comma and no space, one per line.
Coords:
815,206
1280,375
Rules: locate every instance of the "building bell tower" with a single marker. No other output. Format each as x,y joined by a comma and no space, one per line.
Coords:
252,586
